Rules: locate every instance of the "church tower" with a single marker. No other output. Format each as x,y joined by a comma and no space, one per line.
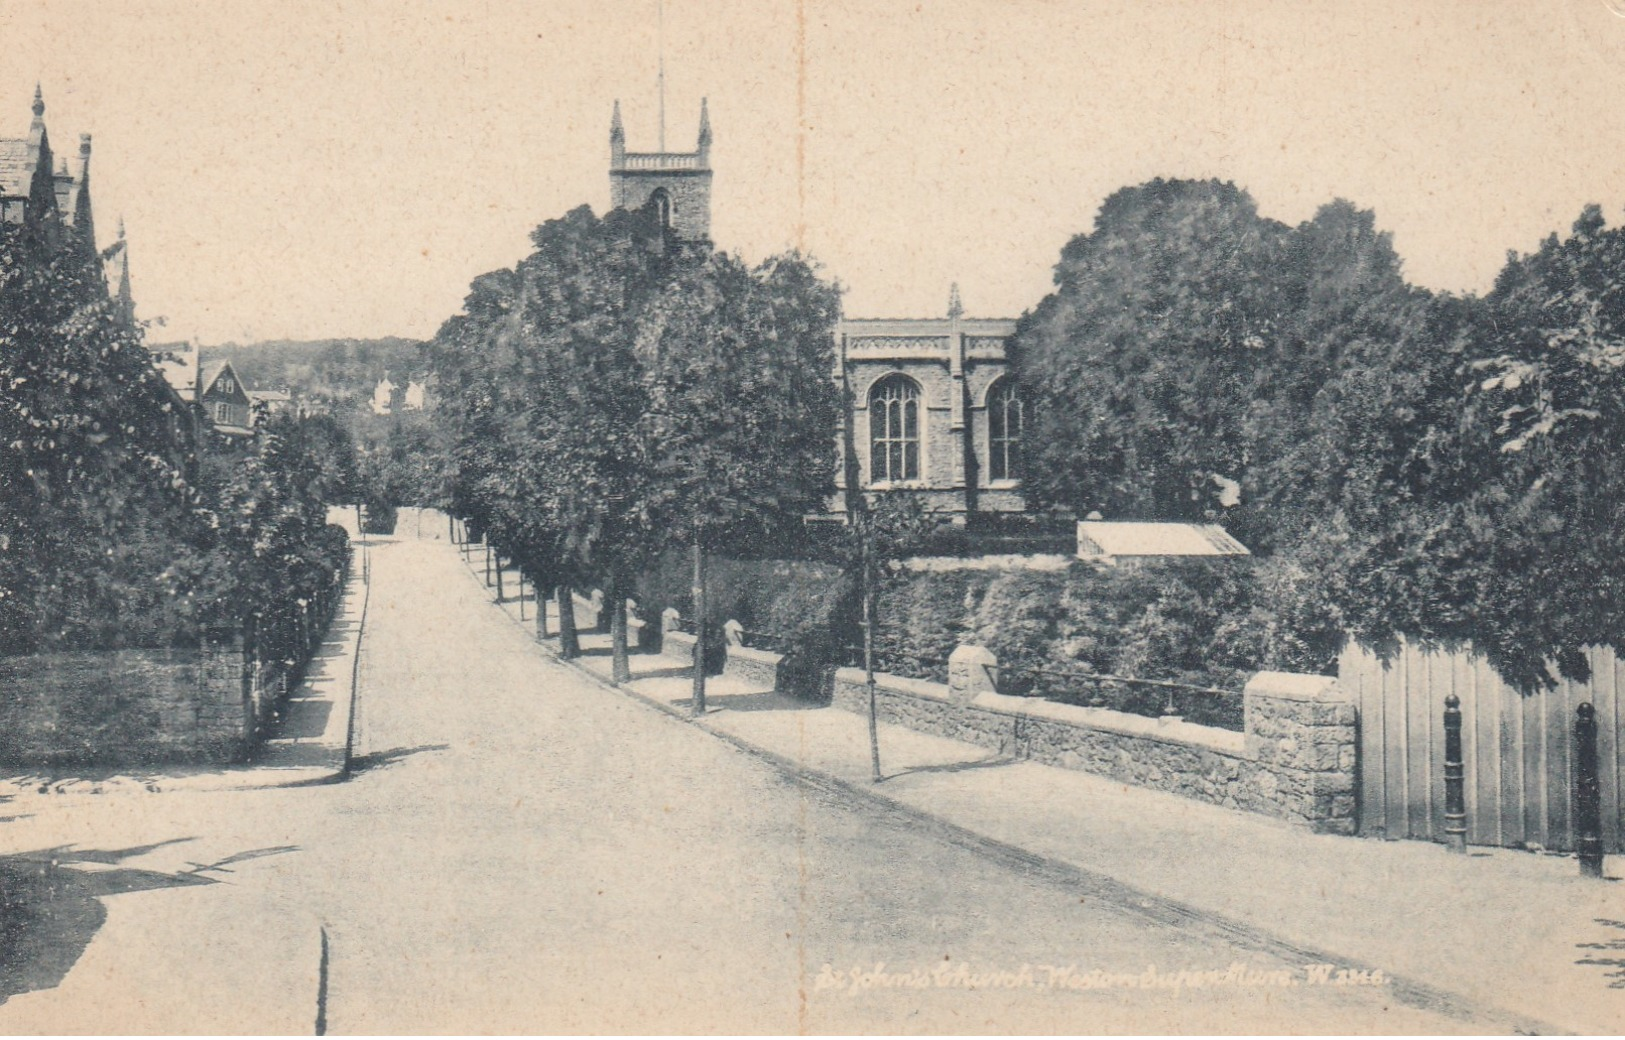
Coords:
676,184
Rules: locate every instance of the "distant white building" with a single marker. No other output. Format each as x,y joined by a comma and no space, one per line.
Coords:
412,400
270,402
383,396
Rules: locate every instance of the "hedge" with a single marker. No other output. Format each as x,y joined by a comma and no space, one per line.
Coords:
1203,623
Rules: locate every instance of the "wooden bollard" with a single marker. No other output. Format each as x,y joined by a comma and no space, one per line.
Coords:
1455,802
1587,792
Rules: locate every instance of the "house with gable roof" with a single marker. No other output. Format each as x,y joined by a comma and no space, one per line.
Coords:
224,401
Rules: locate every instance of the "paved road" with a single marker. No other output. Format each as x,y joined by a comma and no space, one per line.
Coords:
523,850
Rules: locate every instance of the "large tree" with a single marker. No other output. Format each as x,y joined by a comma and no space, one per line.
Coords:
1178,366
541,384
1141,362
740,408
1548,413
95,504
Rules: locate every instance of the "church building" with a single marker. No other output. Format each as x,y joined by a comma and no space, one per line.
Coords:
39,192
934,411
678,184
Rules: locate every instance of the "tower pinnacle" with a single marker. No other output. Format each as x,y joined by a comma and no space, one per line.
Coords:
617,139
676,184
125,300
39,102
955,308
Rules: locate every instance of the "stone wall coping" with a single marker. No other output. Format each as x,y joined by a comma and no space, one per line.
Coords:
1187,734
750,653
1295,686
924,688
1190,734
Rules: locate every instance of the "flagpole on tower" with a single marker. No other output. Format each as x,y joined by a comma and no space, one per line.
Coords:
661,78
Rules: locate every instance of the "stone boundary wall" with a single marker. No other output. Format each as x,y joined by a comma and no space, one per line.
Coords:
199,705
757,667
126,707
1296,758
598,610
1295,761
678,645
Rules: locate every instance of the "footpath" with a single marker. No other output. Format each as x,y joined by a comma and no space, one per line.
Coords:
1515,935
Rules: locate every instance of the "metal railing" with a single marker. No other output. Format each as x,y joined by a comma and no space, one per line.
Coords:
1207,705
1152,698
935,667
775,642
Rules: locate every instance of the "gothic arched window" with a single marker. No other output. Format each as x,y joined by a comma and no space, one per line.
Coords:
1004,422
662,206
894,430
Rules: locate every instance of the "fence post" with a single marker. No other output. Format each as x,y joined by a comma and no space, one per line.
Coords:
1587,793
1455,804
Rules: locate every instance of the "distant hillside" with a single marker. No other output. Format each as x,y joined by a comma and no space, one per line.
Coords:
324,369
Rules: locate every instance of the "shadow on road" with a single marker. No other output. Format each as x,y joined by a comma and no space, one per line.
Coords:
374,760
50,908
661,673
958,767
305,718
767,700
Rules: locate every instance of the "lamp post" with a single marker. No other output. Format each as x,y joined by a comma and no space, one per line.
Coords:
698,595
867,568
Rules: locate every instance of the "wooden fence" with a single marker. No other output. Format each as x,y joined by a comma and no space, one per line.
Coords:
1518,751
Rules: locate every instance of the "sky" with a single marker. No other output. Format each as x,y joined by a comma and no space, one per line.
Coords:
300,169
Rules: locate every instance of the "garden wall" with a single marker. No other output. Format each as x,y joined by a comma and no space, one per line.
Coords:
135,707
126,707
1295,760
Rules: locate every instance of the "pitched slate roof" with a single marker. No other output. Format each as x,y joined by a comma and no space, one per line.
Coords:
16,168
209,372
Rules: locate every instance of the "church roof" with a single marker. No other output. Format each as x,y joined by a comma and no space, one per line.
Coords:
16,168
